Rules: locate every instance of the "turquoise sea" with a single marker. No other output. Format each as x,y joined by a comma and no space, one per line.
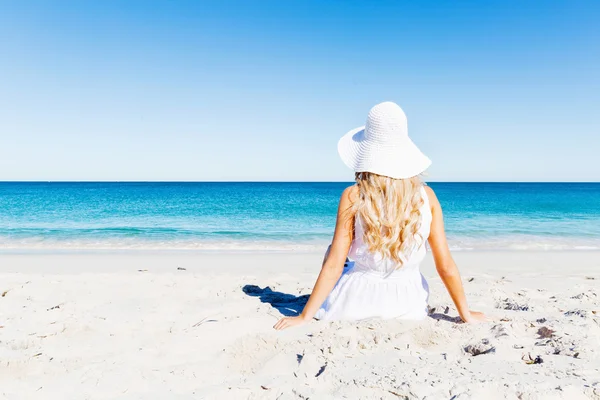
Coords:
280,216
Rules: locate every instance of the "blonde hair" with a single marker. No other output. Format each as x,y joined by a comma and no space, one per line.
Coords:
389,211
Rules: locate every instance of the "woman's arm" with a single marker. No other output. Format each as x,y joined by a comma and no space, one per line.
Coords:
444,263
333,265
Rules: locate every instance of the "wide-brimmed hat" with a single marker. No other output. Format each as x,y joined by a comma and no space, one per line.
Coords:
382,146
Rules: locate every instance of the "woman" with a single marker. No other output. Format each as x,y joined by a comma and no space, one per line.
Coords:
382,224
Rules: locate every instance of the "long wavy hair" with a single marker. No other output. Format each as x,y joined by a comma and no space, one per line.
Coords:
389,213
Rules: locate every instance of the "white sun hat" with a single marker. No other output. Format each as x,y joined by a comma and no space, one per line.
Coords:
382,146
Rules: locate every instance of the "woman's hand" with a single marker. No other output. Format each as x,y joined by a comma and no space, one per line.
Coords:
475,317
288,322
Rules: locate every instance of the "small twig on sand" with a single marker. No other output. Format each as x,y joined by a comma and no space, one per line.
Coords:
199,322
5,292
203,320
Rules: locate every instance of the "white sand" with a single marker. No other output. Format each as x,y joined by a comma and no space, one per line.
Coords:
90,326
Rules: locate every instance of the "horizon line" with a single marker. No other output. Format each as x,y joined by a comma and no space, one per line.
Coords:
259,181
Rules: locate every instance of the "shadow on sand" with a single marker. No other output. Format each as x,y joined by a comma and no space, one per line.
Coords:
287,304
290,305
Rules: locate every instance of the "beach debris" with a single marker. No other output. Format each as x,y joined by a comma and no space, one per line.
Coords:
541,320
517,346
545,332
321,370
55,307
557,346
181,269
142,270
499,330
264,387
302,394
299,358
590,278
483,347
447,310
579,313
588,295
592,391
509,304
471,279
529,360
5,293
560,348
431,310
37,355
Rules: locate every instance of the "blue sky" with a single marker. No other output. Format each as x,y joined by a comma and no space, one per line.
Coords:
262,90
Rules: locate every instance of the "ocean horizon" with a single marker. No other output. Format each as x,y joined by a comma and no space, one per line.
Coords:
280,216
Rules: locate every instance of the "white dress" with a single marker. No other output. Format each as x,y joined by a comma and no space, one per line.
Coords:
373,287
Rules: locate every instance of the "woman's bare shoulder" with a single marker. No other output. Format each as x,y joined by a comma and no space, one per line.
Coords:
433,200
350,195
350,191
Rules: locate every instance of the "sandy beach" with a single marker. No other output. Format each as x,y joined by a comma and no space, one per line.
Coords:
178,325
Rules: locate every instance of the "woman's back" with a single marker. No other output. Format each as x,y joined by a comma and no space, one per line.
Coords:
378,286
373,262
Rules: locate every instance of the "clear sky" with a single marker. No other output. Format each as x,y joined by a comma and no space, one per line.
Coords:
262,90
